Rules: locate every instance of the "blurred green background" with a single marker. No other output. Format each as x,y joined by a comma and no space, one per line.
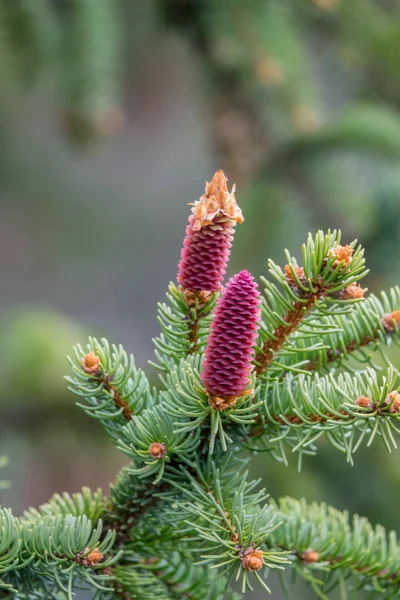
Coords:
113,113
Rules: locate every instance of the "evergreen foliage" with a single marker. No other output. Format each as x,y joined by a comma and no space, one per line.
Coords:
183,518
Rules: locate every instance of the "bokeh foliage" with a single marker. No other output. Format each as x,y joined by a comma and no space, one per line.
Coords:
302,98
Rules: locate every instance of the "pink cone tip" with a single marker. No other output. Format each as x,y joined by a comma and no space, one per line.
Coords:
208,240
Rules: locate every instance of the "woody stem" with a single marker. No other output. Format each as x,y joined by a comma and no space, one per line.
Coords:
292,320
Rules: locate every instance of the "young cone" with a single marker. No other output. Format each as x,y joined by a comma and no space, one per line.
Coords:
208,240
229,351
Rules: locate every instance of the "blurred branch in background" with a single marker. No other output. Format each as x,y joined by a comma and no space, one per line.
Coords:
70,48
297,100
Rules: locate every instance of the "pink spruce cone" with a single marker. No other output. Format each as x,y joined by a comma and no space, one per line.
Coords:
209,235
229,351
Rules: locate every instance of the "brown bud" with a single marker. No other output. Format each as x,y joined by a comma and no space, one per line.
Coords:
393,398
252,560
352,292
341,253
363,402
217,201
90,560
387,320
219,403
91,363
225,402
157,450
299,271
201,297
309,556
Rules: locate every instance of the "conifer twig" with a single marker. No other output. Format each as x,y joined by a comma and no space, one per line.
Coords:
119,401
91,365
334,355
390,322
333,543
330,272
293,318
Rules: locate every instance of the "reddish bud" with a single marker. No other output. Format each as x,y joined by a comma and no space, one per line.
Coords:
352,292
393,399
91,363
299,271
157,450
341,254
363,402
389,318
90,560
252,560
309,556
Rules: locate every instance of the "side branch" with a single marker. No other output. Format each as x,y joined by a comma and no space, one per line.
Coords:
334,355
91,365
374,325
297,411
118,400
330,272
310,418
334,544
372,411
293,318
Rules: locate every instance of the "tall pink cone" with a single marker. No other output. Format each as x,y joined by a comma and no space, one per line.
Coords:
209,235
229,351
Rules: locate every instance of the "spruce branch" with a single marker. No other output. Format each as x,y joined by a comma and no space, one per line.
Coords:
328,276
172,577
28,35
55,552
88,56
226,525
152,441
327,546
86,503
346,409
10,547
325,341
182,519
373,323
113,388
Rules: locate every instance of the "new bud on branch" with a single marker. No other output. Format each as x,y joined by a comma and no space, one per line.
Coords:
209,235
229,351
